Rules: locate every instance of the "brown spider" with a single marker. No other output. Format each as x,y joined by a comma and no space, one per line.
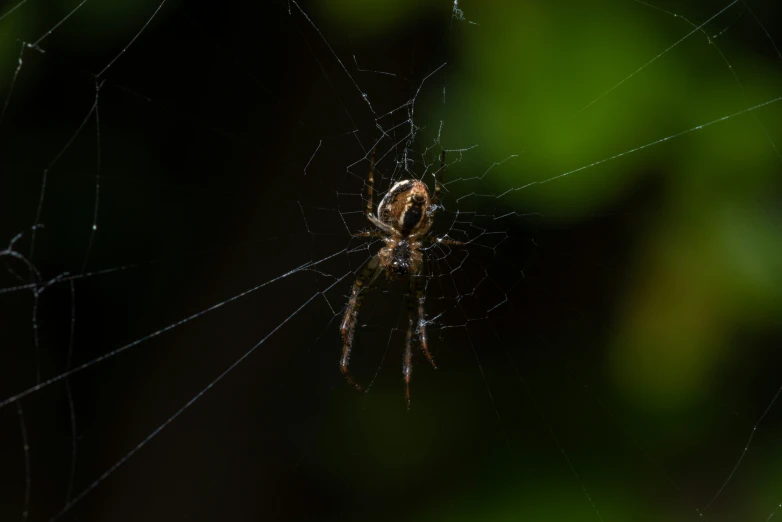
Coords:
404,217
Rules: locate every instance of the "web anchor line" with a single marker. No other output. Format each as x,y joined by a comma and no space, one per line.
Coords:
156,333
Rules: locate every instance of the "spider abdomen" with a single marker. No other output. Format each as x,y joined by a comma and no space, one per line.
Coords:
404,207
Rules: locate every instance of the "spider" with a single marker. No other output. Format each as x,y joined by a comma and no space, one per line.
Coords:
403,219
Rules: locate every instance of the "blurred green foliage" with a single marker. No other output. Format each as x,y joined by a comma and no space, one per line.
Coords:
581,91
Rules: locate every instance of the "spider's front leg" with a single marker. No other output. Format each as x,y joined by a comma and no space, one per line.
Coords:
348,328
420,296
416,323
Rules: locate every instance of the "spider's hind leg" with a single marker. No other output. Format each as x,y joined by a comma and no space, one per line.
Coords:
438,180
371,181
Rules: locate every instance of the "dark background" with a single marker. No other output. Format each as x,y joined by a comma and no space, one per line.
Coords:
601,353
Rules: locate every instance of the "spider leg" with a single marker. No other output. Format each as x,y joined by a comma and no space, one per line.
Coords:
445,241
438,180
432,240
407,366
368,276
417,285
371,181
416,323
389,231
371,233
385,230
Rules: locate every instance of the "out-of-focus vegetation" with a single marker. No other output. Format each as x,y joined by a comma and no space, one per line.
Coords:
591,92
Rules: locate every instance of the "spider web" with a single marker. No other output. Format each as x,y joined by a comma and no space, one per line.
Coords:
182,185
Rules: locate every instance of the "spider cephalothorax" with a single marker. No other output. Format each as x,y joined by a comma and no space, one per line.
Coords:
403,219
